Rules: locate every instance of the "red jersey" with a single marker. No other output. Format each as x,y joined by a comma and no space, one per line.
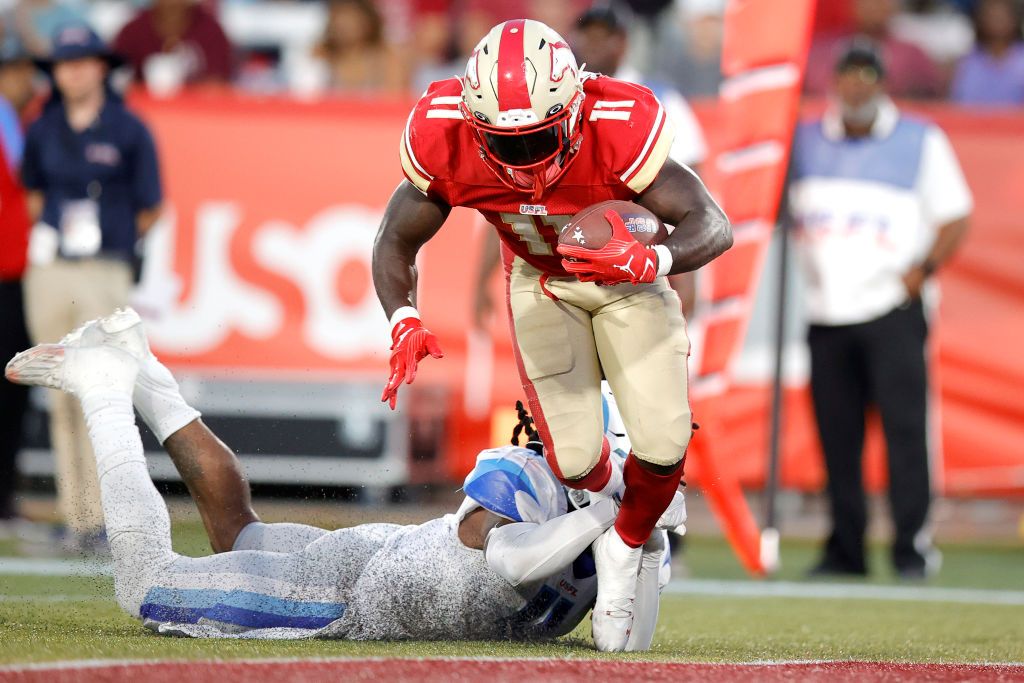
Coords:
626,140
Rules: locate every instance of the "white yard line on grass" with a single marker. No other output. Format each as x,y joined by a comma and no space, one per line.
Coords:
843,591
29,566
708,587
56,597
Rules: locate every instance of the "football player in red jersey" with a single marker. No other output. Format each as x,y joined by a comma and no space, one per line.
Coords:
528,139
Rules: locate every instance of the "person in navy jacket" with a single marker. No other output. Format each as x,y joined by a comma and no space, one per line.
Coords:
90,167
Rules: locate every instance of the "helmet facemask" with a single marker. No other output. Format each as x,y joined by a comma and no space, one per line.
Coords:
523,96
529,158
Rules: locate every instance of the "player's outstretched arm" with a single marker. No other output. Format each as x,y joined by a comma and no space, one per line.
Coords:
702,231
410,220
524,551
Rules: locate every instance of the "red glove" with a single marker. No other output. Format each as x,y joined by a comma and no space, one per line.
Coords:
410,343
623,259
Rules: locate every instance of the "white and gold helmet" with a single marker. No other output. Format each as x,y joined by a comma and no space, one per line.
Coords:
522,94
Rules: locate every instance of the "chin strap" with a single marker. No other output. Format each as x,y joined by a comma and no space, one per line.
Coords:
538,186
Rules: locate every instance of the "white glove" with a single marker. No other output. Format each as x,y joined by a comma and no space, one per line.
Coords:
674,518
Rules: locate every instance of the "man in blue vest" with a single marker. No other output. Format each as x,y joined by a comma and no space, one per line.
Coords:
880,204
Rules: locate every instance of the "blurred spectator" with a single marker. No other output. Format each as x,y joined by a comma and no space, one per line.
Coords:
446,31
353,53
832,18
943,32
16,91
880,204
37,20
701,71
176,42
600,42
993,74
91,171
909,71
683,46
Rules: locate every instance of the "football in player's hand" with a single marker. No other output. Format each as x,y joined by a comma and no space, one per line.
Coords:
591,230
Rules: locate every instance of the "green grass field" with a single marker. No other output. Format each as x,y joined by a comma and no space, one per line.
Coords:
61,618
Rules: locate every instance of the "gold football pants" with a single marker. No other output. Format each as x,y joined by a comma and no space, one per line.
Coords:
568,334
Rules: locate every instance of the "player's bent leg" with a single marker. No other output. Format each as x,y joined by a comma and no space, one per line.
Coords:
641,339
295,594
554,347
138,527
214,478
643,346
235,591
210,470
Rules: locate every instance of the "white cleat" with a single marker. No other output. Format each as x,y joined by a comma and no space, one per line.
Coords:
122,329
74,369
617,569
40,366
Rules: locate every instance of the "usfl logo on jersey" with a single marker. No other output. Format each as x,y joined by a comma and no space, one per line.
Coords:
533,209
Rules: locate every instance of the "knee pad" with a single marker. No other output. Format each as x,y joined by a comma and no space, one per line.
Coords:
571,462
666,446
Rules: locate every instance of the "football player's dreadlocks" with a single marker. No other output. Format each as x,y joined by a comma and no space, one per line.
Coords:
526,428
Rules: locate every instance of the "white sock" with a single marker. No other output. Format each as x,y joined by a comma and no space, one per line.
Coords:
158,400
137,523
615,486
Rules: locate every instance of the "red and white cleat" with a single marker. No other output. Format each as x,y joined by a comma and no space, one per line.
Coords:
40,366
74,370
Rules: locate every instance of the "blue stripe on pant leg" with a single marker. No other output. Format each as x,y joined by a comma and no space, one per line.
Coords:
243,608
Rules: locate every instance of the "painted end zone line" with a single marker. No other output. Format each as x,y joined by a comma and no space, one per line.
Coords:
707,587
843,591
443,670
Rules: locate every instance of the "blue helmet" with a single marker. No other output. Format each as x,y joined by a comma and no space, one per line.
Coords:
514,483
614,429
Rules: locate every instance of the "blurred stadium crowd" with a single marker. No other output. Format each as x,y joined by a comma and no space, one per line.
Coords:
967,50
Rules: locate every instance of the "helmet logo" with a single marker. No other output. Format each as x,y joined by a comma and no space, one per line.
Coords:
473,69
562,60
554,110
481,116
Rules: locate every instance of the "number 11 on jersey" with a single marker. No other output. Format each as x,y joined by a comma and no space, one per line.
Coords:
532,229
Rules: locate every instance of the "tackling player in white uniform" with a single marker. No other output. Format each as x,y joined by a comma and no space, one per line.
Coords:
511,563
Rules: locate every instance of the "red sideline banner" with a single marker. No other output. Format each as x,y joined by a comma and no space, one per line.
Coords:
262,267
